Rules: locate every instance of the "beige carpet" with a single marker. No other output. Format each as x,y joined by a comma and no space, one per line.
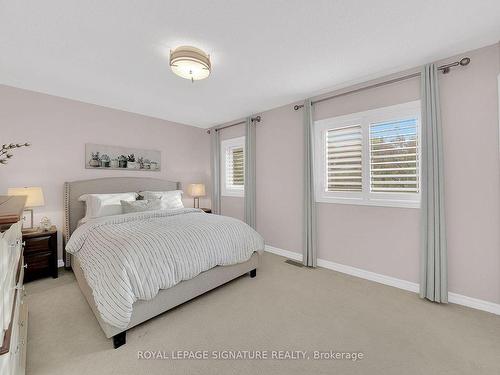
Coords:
284,307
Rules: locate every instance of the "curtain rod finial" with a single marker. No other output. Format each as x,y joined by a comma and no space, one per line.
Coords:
296,107
465,61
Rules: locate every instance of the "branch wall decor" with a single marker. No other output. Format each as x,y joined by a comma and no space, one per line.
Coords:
5,153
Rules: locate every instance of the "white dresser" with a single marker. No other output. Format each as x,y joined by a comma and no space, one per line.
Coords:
13,310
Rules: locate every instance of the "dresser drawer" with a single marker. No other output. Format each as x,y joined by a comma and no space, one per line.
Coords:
13,351
37,244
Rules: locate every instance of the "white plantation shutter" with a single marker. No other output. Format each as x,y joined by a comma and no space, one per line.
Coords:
235,168
344,159
394,157
370,157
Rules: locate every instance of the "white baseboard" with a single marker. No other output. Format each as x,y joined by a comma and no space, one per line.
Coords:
60,263
459,299
474,303
368,275
284,253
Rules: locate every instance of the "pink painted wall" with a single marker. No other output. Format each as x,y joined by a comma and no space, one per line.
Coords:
469,102
59,128
348,234
382,239
378,239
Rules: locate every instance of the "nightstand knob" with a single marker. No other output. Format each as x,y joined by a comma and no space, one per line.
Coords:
24,243
25,266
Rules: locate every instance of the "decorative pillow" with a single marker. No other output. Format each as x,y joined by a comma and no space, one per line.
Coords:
172,198
142,205
98,205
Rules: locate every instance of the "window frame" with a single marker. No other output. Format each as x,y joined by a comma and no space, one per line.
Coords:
225,144
364,119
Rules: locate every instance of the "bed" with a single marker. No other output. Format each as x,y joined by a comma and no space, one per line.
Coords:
169,231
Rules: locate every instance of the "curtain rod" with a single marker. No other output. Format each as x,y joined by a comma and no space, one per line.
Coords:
445,68
255,119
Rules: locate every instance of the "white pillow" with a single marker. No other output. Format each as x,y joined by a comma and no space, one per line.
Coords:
172,198
98,205
144,205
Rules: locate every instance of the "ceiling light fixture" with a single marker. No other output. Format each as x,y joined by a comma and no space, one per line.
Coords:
190,63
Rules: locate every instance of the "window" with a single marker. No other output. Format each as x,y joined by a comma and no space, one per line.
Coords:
370,158
394,157
233,167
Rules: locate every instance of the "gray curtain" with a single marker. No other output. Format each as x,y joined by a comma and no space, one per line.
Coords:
250,172
433,265
309,248
215,169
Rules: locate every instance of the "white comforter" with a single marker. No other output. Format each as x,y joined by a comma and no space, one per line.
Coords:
129,257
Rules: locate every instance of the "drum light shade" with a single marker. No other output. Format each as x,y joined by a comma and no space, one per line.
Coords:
196,190
34,194
190,63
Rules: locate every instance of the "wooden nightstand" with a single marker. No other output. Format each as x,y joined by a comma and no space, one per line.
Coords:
207,210
40,254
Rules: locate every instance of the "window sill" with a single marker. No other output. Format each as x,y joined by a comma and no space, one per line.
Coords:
371,202
238,194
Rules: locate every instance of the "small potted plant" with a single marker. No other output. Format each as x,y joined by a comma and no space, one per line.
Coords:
122,161
131,162
140,163
147,164
114,163
94,159
105,161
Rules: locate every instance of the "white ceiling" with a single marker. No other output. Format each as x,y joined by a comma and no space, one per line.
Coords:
264,53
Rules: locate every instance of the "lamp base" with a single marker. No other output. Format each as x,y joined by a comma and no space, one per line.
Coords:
196,202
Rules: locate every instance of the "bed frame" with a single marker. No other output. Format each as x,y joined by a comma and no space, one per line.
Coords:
166,299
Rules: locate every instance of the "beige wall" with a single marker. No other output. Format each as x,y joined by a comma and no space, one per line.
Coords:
382,239
59,128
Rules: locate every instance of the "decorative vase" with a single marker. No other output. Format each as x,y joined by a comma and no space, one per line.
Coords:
131,164
113,163
105,163
45,223
122,164
153,165
94,163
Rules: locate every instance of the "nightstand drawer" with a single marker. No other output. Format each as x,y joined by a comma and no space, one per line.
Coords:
40,253
37,261
37,265
37,244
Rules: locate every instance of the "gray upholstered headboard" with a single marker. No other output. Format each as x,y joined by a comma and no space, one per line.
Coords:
74,210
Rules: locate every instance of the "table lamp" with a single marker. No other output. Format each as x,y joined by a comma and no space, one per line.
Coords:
196,191
34,199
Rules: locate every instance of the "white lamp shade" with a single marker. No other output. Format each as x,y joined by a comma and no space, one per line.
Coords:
196,190
34,194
